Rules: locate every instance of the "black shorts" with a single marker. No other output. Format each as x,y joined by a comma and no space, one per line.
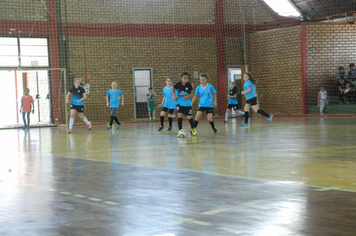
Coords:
252,101
185,110
206,109
233,106
79,109
170,111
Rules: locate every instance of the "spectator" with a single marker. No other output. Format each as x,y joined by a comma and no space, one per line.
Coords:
345,90
352,74
342,73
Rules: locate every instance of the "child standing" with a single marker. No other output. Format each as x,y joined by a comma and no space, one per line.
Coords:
232,103
151,104
113,101
77,104
207,101
168,104
251,99
184,102
323,98
27,103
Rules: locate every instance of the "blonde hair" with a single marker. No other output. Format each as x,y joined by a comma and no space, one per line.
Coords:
114,83
168,78
80,81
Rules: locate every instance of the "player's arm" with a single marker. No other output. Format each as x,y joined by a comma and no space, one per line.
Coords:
161,103
67,98
107,101
247,91
83,98
21,106
122,97
215,100
194,98
174,94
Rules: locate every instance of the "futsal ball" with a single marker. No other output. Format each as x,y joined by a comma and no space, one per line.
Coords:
182,133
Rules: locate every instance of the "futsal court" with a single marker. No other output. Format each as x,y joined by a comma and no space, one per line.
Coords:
294,176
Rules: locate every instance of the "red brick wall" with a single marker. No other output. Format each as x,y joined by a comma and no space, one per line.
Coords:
276,65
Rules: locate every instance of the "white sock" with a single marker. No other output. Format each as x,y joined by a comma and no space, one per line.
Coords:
241,112
154,117
71,122
227,116
86,120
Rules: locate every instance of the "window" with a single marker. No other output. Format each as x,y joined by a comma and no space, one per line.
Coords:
283,7
33,52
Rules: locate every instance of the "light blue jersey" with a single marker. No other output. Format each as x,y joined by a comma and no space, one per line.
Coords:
206,95
248,84
168,100
114,98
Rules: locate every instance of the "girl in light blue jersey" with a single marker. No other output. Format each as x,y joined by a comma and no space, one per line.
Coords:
207,102
251,99
168,104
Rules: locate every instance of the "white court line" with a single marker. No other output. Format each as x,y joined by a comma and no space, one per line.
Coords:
78,195
94,199
230,230
200,222
111,203
66,193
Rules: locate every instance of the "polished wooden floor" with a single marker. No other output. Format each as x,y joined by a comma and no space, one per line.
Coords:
295,176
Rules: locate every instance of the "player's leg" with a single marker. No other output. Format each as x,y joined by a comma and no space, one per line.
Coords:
161,116
246,115
154,113
170,119
73,112
209,117
189,113
180,117
28,120
322,106
24,120
197,118
227,113
83,118
257,109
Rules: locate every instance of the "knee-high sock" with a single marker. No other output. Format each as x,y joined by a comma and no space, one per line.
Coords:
262,112
246,116
170,120
86,120
111,120
162,120
180,123
191,122
116,120
212,124
71,122
226,116
196,123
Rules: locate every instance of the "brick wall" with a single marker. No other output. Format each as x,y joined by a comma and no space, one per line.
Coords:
167,56
24,10
335,47
276,64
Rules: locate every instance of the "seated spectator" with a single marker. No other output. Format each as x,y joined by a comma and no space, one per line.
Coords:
352,74
346,90
342,74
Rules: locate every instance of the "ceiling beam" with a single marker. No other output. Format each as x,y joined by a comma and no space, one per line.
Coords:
296,8
305,1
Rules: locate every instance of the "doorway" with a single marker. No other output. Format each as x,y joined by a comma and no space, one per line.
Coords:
142,80
11,91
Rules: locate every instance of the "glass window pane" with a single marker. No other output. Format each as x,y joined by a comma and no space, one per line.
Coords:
9,61
34,51
33,41
34,61
8,50
8,41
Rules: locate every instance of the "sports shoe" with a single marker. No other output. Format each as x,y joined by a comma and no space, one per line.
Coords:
224,121
28,127
24,128
194,131
160,128
215,130
269,119
118,126
169,129
244,124
89,126
70,131
109,127
154,119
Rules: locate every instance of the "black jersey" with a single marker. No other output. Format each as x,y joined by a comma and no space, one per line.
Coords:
183,90
77,95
